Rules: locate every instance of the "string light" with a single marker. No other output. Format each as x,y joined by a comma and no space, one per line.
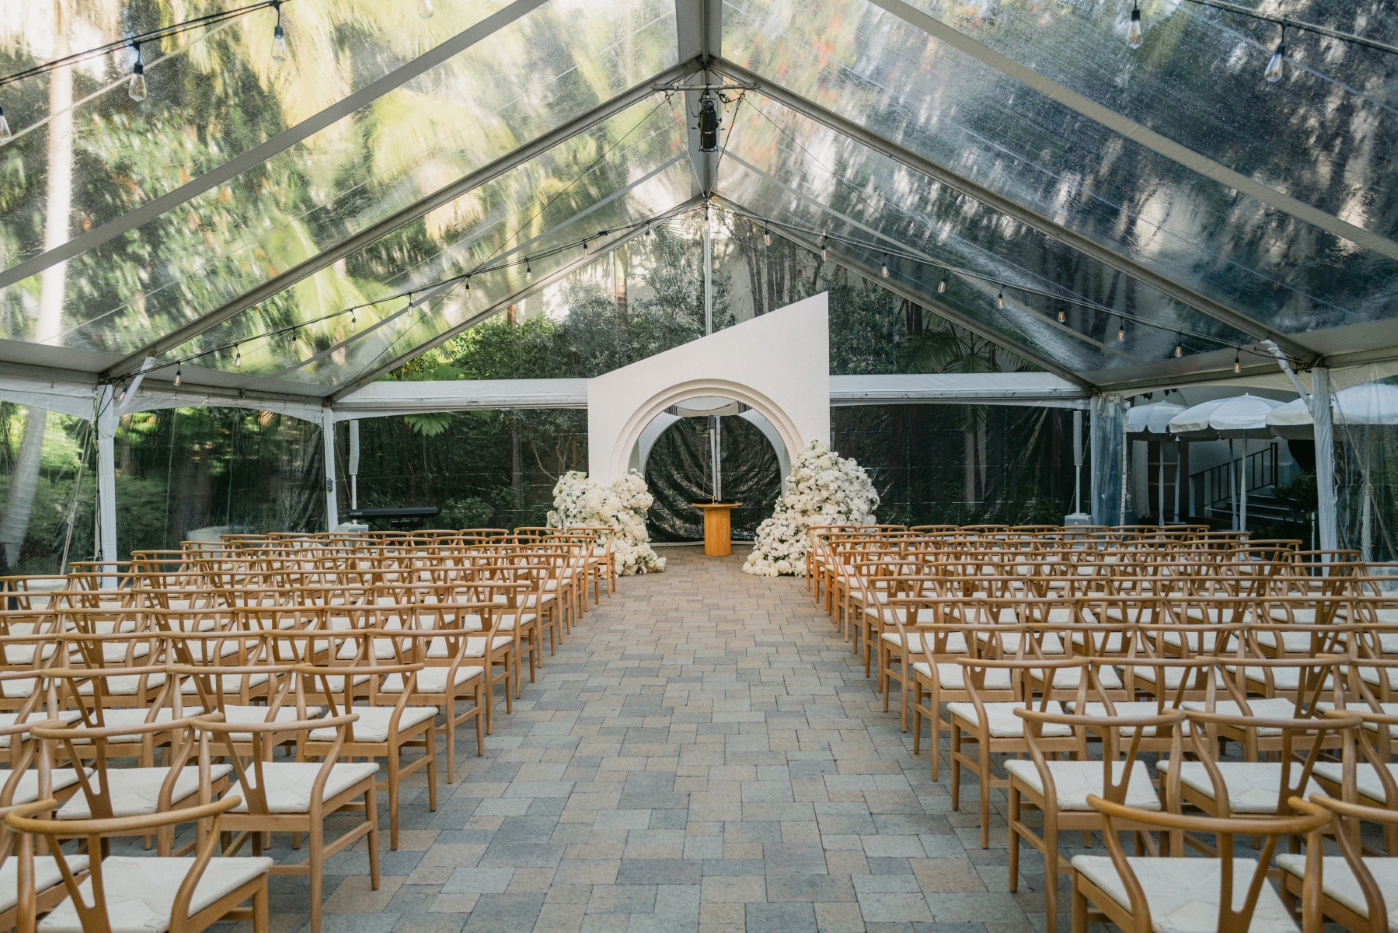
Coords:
136,87
528,272
942,286
121,395
1134,37
1237,363
278,39
354,319
1000,300
766,236
5,134
1179,347
884,268
586,251
1273,74
237,356
824,247
179,371
1062,316
1121,329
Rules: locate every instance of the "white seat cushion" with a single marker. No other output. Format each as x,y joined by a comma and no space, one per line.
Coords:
1339,883
950,676
141,892
1127,708
1273,708
1183,893
253,715
1366,780
46,875
1004,724
374,722
289,783
1074,780
955,643
28,789
232,684
475,646
136,791
1253,786
9,719
430,680
124,685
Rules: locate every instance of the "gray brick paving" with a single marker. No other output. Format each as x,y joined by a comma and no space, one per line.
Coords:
703,754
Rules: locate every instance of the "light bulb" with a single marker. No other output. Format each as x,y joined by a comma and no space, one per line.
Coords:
1000,300
766,237
528,272
5,134
424,9
121,396
824,248
178,371
1121,331
1273,74
884,268
136,87
1062,316
650,231
942,286
354,319
586,252
1134,38
237,356
278,44
1237,364
1179,350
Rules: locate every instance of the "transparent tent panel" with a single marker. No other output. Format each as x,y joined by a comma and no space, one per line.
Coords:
1320,135
213,93
779,164
646,172
871,67
532,76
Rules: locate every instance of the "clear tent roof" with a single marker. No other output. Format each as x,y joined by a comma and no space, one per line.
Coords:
1011,147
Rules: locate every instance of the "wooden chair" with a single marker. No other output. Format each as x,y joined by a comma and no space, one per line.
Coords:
1192,895
1359,893
294,797
124,894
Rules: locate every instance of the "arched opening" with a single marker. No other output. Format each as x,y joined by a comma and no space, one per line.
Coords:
677,464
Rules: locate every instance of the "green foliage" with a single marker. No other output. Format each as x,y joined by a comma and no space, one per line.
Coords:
430,424
467,512
1300,496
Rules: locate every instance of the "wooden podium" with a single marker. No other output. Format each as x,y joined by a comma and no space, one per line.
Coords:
718,527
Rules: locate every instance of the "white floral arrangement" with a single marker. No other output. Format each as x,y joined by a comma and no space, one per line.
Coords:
823,489
621,506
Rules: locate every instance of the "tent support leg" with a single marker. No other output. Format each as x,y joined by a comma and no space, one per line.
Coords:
332,511
1324,457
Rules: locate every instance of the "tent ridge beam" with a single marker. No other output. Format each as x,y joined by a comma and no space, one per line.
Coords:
1137,133
513,298
284,140
462,186
936,307
1091,248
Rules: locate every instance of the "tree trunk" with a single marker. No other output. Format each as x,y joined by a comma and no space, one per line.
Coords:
969,481
516,467
14,523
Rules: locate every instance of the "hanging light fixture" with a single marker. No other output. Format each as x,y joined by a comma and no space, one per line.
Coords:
766,236
1121,329
824,247
354,319
884,268
5,134
528,272
1179,347
586,252
237,356
121,395
179,370
424,9
1273,74
1134,37
1062,316
136,87
708,124
1237,363
278,38
1000,300
942,286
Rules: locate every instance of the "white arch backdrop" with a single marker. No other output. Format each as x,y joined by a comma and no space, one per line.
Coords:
777,364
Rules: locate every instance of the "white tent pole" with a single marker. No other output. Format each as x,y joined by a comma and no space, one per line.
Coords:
1232,486
1077,461
1366,530
354,463
1125,470
1179,450
1243,487
107,419
708,272
327,429
1324,457
1160,490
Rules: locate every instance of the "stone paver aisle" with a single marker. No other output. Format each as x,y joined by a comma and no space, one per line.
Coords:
703,754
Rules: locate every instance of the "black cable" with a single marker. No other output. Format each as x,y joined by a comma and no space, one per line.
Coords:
1290,23
136,41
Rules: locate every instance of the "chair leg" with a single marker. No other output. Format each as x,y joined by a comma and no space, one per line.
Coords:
260,914
1014,838
393,799
431,737
371,815
316,861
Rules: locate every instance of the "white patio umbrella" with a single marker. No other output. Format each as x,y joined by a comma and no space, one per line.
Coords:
1152,422
1228,419
1370,403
